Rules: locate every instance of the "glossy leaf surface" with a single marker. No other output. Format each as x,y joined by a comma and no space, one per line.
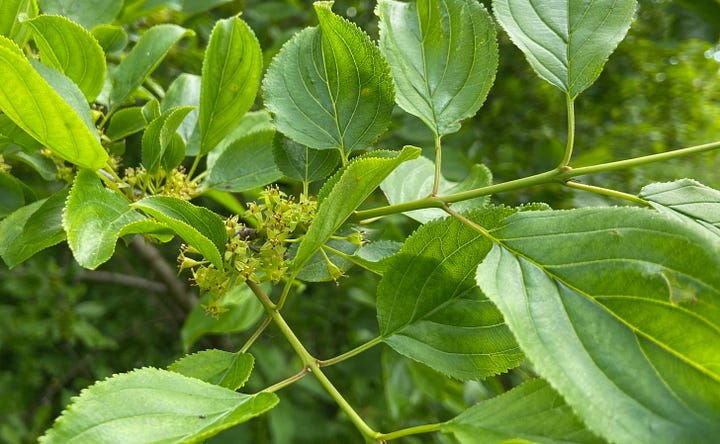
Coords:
32,228
344,192
531,412
33,105
87,13
566,42
198,226
10,26
158,137
329,87
604,292
443,55
229,370
230,80
142,60
430,309
151,405
72,50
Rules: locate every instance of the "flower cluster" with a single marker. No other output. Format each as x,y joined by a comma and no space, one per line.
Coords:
257,245
174,183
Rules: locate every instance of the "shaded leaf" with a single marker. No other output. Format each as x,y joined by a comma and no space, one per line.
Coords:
125,122
345,192
329,87
688,198
302,163
198,226
111,38
430,309
588,289
151,405
443,55
241,310
414,180
158,137
531,412
72,50
230,80
226,369
87,13
185,91
566,42
12,196
142,60
33,105
32,228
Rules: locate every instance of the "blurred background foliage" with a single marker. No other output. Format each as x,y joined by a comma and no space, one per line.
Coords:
62,328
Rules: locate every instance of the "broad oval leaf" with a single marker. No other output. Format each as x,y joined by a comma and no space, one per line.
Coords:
198,226
595,291
142,60
414,180
151,405
33,105
32,228
88,13
344,193
329,87
531,412
72,50
94,218
226,369
443,55
230,80
430,309
566,42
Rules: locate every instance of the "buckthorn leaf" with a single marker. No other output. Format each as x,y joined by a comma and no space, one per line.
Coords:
566,42
226,369
88,13
596,290
230,80
443,55
152,405
10,12
72,50
329,87
158,137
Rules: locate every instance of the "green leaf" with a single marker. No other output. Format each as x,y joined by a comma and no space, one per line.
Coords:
688,198
125,122
375,256
302,163
244,164
72,50
198,226
566,42
588,290
443,56
33,105
158,136
142,60
185,91
151,405
345,192
10,25
111,38
531,412
241,310
94,218
42,165
230,80
430,309
229,370
12,196
32,228
329,87
414,180
88,13
192,7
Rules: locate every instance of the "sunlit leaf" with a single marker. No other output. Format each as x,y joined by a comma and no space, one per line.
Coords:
10,26
226,369
686,197
88,13
151,405
158,137
443,55
588,290
566,42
